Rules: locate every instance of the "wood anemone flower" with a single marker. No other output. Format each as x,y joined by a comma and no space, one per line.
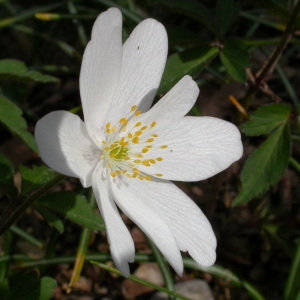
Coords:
128,151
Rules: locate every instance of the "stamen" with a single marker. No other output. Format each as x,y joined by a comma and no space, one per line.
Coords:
135,140
123,121
133,108
138,133
153,124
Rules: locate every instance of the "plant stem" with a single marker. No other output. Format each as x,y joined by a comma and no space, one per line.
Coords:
19,205
270,65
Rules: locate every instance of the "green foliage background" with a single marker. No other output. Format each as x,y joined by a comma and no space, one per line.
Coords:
247,50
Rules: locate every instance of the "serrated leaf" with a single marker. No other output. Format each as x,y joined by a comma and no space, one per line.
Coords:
193,9
32,178
16,70
27,286
7,176
235,59
74,208
189,62
227,12
266,165
51,218
265,119
11,117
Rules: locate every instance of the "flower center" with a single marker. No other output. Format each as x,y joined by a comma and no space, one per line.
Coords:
117,151
126,153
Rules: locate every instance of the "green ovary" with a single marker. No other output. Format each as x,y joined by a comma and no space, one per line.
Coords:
118,152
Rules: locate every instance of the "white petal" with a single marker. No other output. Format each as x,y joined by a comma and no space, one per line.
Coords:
198,148
65,145
130,195
100,69
143,62
171,107
188,224
120,240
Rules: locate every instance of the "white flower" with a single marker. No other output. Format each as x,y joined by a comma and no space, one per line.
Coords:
128,151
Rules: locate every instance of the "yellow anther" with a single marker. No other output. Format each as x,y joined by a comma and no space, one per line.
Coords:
106,148
138,133
146,163
123,121
103,142
153,124
133,108
128,175
129,135
137,113
137,161
149,146
135,140
145,150
107,130
152,161
118,172
113,130
127,158
101,156
150,140
107,125
147,178
159,159
134,175
140,177
144,128
112,174
155,135
122,142
124,171
158,175
164,147
136,171
138,124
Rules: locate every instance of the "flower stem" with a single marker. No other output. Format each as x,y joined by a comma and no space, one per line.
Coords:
19,205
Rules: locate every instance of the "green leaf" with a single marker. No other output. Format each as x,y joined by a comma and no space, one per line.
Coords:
235,59
32,178
182,36
193,9
189,62
74,208
265,119
27,286
16,70
227,12
51,218
11,117
7,176
266,165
